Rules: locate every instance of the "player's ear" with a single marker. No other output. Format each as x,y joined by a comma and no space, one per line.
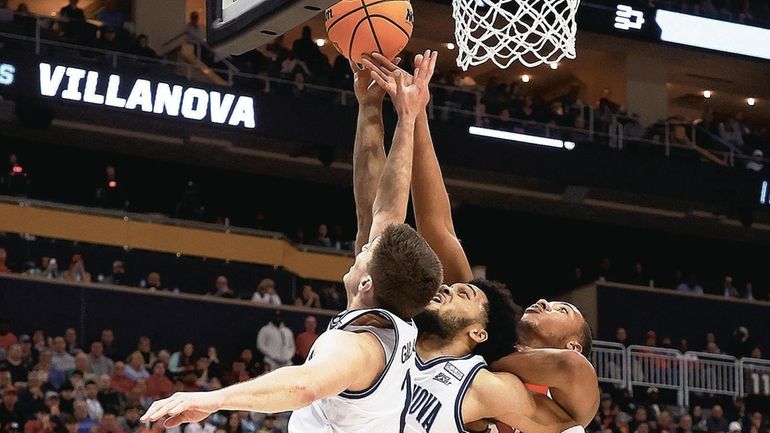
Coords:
479,335
575,345
365,285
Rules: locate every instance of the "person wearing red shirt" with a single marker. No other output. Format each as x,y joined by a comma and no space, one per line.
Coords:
306,339
158,384
119,381
41,423
7,338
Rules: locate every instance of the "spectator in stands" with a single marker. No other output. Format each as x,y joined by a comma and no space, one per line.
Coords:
276,343
741,344
605,270
323,239
621,336
130,423
71,339
756,353
729,289
756,163
118,276
195,34
190,206
685,424
109,397
9,408
109,41
222,289
95,409
41,423
268,425
15,181
749,296
4,269
731,132
200,427
135,370
690,286
309,298
640,416
50,268
74,18
109,423
642,427
142,47
85,422
61,361
183,361
108,344
119,381
306,339
253,367
716,423
639,276
266,293
144,346
13,363
7,338
111,16
237,373
291,66
77,271
83,367
331,298
158,384
153,282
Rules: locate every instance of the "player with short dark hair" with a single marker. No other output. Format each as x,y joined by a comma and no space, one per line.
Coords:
453,391
356,374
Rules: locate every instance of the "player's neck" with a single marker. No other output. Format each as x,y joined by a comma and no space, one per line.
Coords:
431,346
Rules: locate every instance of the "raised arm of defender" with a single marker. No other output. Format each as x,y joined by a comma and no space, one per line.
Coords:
409,99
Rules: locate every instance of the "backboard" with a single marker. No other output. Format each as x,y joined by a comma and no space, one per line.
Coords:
237,26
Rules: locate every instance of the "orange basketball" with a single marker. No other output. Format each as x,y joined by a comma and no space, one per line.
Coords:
356,27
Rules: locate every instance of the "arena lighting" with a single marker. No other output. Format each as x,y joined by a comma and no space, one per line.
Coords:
192,103
525,78
763,193
751,101
320,42
522,138
450,46
17,169
112,184
7,74
707,94
713,34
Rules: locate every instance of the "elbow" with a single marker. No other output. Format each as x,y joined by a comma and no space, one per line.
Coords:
306,393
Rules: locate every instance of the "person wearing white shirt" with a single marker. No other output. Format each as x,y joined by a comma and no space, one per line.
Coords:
266,294
95,409
276,342
135,369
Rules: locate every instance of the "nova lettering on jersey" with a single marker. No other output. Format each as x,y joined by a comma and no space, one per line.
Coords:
425,407
192,103
7,74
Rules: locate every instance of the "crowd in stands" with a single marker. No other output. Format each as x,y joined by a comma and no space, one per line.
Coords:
329,296
50,384
495,103
637,274
741,344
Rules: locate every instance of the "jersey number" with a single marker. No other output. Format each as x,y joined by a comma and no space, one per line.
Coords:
408,385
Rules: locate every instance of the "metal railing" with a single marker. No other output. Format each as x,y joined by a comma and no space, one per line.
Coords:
613,133
685,373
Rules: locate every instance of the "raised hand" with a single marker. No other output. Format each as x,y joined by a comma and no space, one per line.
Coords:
183,407
366,90
409,95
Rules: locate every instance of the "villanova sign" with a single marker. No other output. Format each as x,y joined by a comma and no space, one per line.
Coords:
171,100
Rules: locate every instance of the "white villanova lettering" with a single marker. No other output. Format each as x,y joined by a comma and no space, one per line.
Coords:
159,98
7,74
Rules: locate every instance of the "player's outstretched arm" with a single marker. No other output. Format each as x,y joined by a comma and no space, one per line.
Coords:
368,150
432,210
569,376
409,99
287,388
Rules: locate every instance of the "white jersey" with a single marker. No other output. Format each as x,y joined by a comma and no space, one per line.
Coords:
382,407
438,390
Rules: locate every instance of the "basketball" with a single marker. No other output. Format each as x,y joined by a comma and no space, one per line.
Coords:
356,27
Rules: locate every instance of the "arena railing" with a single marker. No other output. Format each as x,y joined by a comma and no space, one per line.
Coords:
454,105
685,373
610,362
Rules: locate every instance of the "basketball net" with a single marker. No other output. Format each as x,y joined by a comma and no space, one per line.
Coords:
504,31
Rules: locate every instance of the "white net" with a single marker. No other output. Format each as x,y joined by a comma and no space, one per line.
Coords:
504,31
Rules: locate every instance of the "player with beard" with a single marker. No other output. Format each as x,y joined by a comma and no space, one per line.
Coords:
452,390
